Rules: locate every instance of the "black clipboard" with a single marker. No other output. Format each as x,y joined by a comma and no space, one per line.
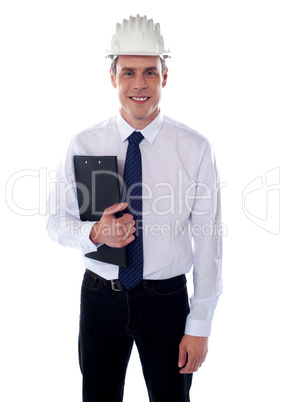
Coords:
98,187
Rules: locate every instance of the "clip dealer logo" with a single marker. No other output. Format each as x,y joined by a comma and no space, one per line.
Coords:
261,201
260,197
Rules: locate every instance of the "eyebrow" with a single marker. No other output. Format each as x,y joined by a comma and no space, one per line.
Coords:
134,69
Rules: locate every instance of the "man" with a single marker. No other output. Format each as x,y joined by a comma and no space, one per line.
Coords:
170,223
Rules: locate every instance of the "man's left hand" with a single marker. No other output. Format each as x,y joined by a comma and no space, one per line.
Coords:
196,348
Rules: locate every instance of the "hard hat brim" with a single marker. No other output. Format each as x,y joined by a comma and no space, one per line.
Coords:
139,53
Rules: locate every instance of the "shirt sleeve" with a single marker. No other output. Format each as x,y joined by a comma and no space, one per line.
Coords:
206,231
63,222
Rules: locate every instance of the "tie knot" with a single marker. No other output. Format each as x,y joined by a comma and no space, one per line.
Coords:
136,137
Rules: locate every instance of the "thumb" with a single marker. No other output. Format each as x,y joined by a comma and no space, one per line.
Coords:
182,357
113,209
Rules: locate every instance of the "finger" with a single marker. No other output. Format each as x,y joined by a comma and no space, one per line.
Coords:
126,219
120,242
115,208
124,231
129,231
182,358
129,240
121,229
190,366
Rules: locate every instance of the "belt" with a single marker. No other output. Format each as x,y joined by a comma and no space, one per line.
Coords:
116,285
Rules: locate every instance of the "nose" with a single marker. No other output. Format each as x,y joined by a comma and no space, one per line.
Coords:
140,82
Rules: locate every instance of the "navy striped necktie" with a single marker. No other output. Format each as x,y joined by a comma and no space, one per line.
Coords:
133,274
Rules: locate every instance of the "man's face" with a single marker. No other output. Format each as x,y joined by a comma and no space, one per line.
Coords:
139,81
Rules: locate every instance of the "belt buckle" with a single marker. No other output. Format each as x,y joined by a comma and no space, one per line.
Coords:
114,283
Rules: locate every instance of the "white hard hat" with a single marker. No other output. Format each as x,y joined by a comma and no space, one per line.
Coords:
138,36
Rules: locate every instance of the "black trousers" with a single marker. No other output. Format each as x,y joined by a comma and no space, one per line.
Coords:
153,316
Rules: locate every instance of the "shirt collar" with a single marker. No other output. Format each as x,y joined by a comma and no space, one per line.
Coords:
149,132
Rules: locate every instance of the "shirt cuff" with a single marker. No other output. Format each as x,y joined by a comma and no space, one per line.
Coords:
86,245
197,327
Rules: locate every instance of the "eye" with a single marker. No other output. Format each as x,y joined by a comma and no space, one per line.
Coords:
128,74
150,73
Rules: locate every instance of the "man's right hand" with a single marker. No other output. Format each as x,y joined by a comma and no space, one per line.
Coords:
115,232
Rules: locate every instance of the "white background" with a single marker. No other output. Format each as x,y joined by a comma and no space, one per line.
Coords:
226,80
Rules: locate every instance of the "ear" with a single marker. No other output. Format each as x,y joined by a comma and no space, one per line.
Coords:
113,79
165,75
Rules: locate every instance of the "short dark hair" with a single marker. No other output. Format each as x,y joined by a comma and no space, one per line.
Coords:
114,66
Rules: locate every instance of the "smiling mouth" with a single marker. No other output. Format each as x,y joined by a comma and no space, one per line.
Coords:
139,99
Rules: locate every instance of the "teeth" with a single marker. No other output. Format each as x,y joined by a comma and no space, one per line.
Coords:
139,99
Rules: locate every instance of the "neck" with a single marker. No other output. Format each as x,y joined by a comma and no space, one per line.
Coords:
139,123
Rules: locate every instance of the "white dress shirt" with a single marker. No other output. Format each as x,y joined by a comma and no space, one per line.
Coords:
181,207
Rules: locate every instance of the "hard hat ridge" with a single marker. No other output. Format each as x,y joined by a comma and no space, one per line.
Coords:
137,36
